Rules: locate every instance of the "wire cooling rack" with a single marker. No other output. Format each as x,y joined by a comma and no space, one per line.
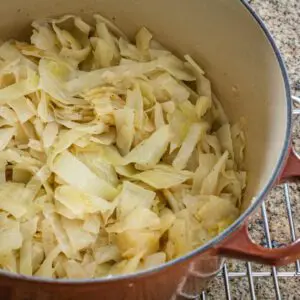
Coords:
275,274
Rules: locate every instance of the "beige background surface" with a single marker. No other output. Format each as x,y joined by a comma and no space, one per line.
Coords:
282,18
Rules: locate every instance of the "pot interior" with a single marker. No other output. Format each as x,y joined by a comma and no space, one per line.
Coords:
222,36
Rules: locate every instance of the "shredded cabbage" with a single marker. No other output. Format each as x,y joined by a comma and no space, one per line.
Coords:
193,136
77,174
163,177
79,203
149,152
124,119
114,156
131,197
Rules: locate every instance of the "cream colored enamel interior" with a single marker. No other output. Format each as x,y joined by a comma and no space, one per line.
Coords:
221,35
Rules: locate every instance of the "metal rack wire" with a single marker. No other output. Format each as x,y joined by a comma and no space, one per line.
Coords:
274,273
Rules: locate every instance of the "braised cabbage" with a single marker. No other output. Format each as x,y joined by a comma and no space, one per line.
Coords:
114,156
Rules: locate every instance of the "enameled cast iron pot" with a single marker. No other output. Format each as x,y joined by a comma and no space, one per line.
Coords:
248,76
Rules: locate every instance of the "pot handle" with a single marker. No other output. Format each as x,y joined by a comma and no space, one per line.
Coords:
292,167
239,245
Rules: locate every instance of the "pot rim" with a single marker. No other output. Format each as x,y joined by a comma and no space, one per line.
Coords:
230,229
